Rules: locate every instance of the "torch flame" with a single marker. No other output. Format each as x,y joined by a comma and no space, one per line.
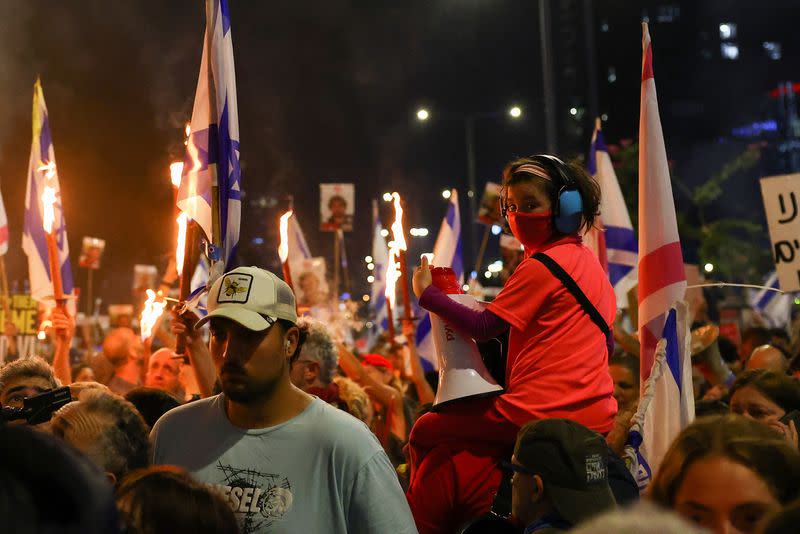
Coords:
49,168
180,247
397,226
48,212
153,308
41,335
283,247
392,275
175,171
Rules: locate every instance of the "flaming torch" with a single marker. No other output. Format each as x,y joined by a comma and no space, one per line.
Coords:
283,248
183,264
392,273
151,313
48,221
400,248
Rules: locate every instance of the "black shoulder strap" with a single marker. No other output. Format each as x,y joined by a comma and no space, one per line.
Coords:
573,288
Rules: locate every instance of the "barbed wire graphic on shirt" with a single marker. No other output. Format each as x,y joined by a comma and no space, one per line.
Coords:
272,496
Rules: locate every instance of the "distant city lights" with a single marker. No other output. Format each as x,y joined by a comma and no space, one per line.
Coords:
422,114
368,259
727,30
515,112
387,197
708,267
418,232
384,232
370,279
446,193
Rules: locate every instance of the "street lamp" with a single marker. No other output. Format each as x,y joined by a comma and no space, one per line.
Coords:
469,119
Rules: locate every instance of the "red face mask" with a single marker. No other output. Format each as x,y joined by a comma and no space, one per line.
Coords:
531,229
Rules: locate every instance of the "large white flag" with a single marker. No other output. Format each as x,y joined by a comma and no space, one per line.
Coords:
212,149
42,171
446,253
662,276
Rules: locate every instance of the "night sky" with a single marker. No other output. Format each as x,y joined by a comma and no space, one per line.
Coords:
327,92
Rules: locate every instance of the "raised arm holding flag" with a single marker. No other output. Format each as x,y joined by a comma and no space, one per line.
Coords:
210,190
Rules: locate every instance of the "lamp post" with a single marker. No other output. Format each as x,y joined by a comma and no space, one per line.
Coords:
469,119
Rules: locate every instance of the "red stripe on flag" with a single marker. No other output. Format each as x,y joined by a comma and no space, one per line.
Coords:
647,68
660,268
3,234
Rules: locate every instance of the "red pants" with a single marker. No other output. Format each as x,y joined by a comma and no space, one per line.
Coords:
465,422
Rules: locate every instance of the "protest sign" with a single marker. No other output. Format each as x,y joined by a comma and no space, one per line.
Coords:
91,252
780,194
336,207
24,314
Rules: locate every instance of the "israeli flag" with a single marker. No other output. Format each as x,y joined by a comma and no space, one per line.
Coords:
775,308
42,171
212,151
446,253
666,406
380,258
621,247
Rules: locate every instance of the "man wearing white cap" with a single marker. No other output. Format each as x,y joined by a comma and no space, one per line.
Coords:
286,461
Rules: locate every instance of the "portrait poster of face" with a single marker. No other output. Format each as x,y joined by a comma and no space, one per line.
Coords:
336,207
489,210
144,277
311,285
91,252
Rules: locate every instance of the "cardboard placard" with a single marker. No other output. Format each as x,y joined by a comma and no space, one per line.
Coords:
337,207
91,252
24,313
781,196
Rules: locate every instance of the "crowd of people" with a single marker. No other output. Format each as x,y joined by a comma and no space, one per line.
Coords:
270,421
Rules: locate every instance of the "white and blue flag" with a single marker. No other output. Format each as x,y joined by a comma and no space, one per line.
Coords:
380,258
666,405
446,253
620,240
213,144
774,307
42,172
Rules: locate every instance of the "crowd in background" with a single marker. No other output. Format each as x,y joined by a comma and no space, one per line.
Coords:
91,467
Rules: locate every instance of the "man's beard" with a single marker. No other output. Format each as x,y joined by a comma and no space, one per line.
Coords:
249,392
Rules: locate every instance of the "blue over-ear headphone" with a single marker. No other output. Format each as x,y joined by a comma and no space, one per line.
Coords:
568,203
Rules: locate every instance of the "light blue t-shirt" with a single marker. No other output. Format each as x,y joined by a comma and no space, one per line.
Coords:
322,471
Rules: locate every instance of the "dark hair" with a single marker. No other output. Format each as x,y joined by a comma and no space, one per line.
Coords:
628,361
336,198
780,388
166,499
783,520
727,349
151,403
587,186
47,487
739,439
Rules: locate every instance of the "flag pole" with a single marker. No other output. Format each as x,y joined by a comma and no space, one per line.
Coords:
186,279
4,282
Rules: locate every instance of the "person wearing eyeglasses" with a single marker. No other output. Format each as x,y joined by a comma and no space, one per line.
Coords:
560,476
558,307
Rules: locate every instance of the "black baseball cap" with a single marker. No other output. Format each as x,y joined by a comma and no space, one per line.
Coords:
573,463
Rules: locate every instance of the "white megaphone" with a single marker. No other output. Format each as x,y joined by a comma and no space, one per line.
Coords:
462,373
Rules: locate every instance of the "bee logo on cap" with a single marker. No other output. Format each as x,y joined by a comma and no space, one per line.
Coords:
235,288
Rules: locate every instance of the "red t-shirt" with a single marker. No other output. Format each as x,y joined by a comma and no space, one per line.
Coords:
453,486
557,357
